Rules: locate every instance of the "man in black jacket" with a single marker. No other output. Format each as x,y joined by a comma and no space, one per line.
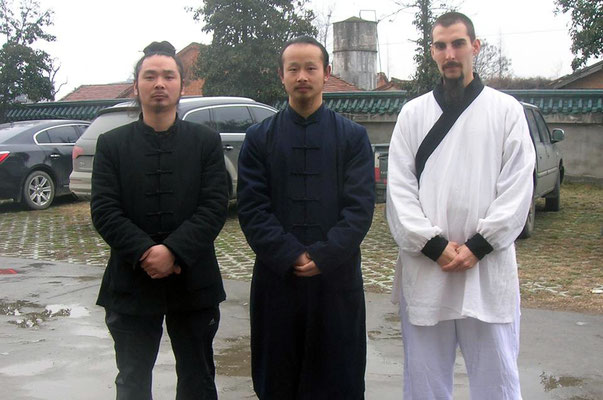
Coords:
306,201
159,199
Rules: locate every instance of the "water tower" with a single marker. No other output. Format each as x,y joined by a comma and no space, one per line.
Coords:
355,52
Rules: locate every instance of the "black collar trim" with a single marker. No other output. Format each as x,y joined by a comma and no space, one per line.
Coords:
298,119
147,129
473,89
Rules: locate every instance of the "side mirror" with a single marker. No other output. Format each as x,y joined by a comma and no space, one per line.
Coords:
558,135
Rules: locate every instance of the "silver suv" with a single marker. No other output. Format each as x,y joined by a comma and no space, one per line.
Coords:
549,171
231,116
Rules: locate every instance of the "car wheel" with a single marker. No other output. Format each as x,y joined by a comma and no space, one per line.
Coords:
528,228
38,190
553,201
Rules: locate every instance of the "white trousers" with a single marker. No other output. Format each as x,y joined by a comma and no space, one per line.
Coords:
490,352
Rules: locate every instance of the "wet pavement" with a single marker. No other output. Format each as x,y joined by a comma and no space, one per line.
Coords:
54,344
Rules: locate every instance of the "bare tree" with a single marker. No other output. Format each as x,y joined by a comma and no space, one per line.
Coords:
491,62
53,69
322,22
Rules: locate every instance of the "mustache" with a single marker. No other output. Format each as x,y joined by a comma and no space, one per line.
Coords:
450,64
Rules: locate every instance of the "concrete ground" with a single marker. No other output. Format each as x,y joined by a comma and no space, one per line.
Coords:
54,344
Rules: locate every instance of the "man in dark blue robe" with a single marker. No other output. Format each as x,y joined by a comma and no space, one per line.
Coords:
306,201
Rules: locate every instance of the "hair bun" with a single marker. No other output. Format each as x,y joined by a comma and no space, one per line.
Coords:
160,47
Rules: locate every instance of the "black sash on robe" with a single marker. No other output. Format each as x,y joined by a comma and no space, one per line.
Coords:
443,125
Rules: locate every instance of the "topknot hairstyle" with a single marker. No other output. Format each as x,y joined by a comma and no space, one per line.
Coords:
164,47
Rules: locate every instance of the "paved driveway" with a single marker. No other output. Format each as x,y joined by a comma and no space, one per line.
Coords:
65,233
54,344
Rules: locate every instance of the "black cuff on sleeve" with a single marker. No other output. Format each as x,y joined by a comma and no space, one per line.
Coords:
435,247
479,246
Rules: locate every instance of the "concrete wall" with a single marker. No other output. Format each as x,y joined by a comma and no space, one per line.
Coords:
582,148
378,127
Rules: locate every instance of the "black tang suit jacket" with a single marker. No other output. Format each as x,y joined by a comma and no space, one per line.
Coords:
160,188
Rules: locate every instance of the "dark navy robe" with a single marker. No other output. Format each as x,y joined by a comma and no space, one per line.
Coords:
307,185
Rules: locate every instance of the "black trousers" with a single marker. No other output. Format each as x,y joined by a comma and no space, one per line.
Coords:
137,339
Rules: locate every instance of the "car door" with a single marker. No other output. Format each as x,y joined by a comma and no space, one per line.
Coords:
261,113
550,167
59,149
541,184
232,122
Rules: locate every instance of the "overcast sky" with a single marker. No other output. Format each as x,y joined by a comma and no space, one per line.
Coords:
99,41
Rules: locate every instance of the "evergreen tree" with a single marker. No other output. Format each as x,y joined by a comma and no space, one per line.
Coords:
242,59
427,74
586,29
24,71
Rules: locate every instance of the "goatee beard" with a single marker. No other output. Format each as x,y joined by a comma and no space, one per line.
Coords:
454,90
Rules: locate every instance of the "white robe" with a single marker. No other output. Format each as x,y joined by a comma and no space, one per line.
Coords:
478,180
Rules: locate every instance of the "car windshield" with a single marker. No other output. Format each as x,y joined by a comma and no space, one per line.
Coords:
105,122
10,130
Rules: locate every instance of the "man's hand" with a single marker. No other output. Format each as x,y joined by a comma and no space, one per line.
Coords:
303,259
304,266
307,270
448,254
158,262
463,260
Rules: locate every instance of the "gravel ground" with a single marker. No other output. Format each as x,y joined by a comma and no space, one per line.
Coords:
560,266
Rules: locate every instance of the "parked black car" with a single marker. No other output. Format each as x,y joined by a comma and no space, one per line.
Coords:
35,160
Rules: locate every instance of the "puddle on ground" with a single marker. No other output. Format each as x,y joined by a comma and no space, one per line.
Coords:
32,314
88,278
235,360
39,264
62,310
16,307
27,369
388,330
392,317
32,319
385,334
551,382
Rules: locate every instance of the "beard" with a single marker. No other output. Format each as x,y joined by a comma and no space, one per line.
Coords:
454,89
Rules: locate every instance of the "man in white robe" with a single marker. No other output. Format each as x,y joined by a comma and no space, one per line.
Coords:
459,188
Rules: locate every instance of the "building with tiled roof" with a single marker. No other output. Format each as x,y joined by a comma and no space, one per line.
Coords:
384,84
590,77
100,92
192,85
336,84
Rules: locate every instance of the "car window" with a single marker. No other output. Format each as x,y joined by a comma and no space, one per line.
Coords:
63,134
42,137
232,119
80,129
533,126
200,117
544,130
261,113
105,122
10,130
